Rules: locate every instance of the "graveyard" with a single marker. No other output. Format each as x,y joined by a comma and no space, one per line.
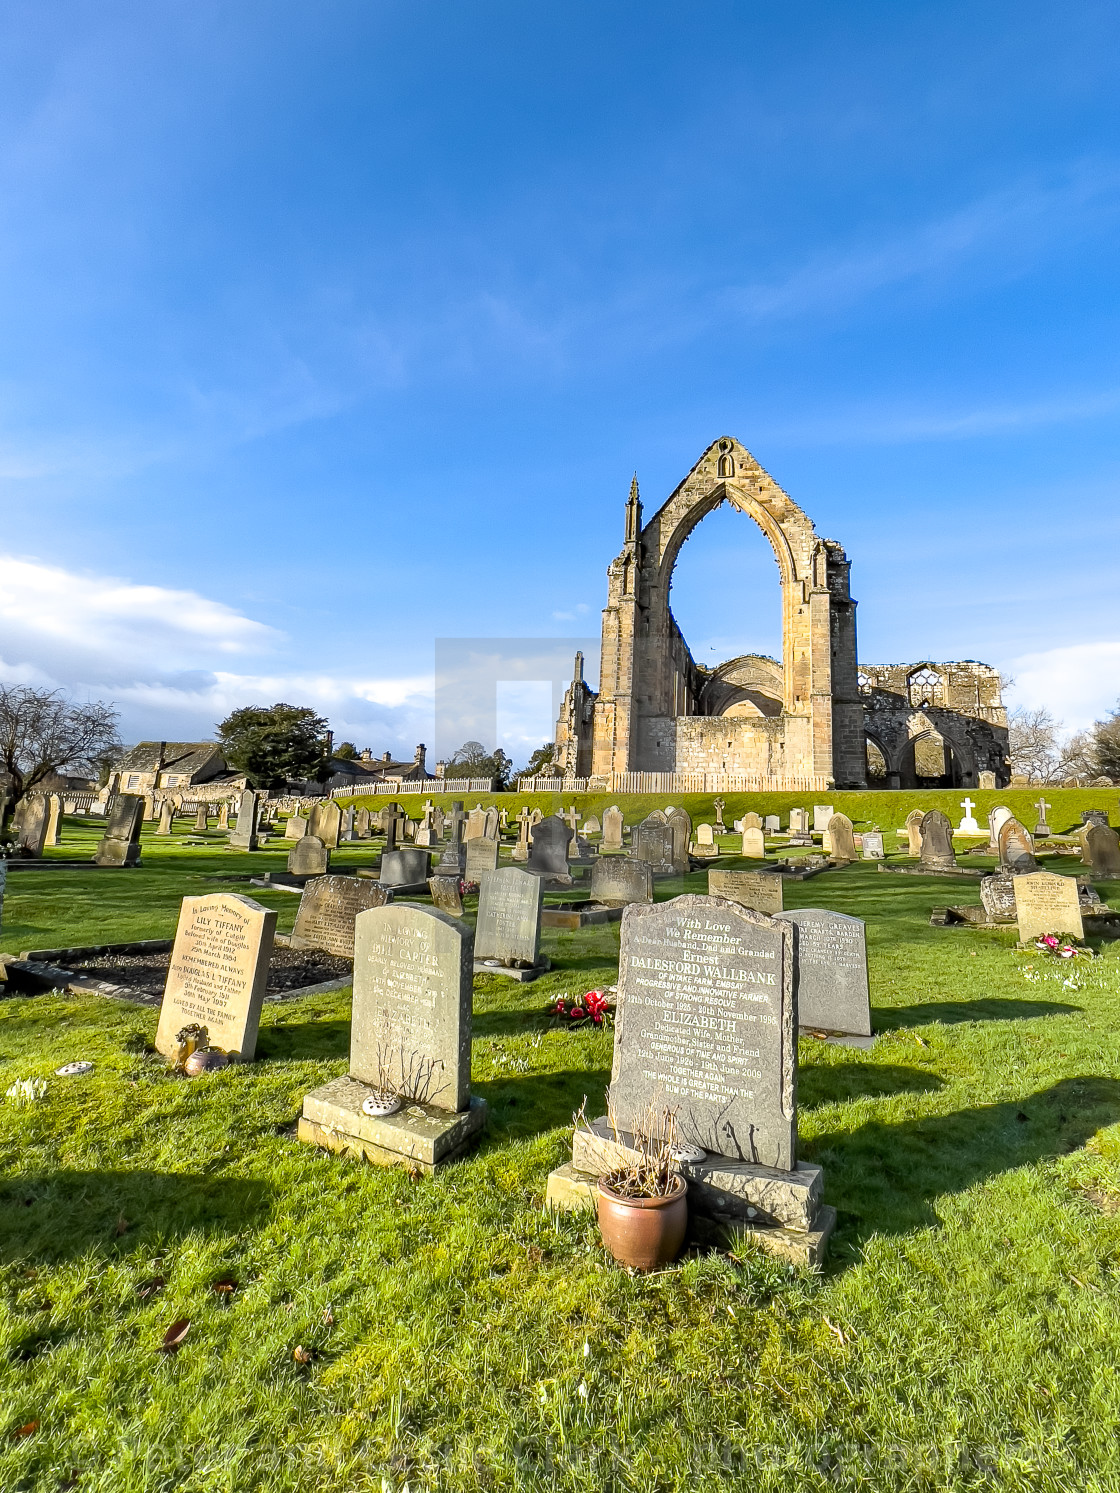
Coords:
242,1279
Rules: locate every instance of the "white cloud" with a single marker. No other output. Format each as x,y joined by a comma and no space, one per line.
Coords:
1078,683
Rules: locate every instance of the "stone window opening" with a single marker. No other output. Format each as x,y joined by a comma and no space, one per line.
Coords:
925,686
725,464
864,683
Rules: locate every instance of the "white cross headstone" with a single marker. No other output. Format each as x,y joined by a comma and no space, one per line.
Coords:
968,825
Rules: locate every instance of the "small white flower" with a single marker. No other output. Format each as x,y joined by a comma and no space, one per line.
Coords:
586,1349
583,1389
27,1090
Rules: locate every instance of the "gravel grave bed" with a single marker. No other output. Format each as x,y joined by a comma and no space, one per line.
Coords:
146,974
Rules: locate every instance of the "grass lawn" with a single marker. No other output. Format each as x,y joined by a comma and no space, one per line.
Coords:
965,1332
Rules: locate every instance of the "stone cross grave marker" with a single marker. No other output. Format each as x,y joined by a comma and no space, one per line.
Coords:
521,849
822,813
706,1027
832,989
166,816
482,856
548,854
751,821
914,832
325,822
617,880
1016,848
1041,828
1102,851
612,829
327,910
308,856
872,846
392,818
1045,903
453,860
411,1019
841,838
120,845
968,825
754,843
719,804
937,842
218,973
509,918
760,890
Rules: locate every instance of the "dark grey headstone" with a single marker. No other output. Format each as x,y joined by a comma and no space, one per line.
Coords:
120,845
706,1027
1102,849
509,917
309,857
411,1020
653,842
1095,816
617,880
404,867
244,834
548,854
832,990
327,910
680,822
937,853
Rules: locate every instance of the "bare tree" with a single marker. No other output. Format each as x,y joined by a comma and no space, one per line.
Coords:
41,732
1034,744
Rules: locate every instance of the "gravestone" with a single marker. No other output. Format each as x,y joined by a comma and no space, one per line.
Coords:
1045,903
968,825
325,822
1102,851
841,838
509,919
520,851
872,846
771,825
937,842
548,854
402,868
3,881
476,824
620,879
751,821
445,895
223,816
1041,827
30,825
653,842
453,860
166,816
482,856
1016,848
244,835
997,893
438,821
120,845
309,857
754,843
296,827
492,827
706,1027
200,820
54,820
1095,816
832,989
718,805
760,890
361,824
705,847
914,831
822,813
218,973
997,818
346,829
591,826
680,823
799,827
327,910
612,829
986,780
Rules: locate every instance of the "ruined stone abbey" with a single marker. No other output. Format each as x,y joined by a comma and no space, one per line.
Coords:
816,717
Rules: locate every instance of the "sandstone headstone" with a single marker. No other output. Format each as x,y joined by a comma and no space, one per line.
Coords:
705,834
509,918
620,879
476,824
361,824
296,827
842,840
54,820
30,825
987,780
402,868
681,824
872,846
1016,848
832,988
482,856
445,895
997,893
120,845
706,1027
937,842
760,890
799,821
548,854
244,835
1102,848
327,910
411,1021
751,821
492,828
754,843
325,822
218,973
653,842
166,817
822,813
309,857
223,816
346,830
1045,903
914,831
200,819
612,829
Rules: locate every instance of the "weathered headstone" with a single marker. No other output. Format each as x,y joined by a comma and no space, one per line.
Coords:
200,819
751,821
346,829
592,826
401,868
120,845
799,827
1016,848
166,816
482,856
476,824
30,825
997,893
771,824
309,857
492,828
218,973
325,822
986,780
296,827
841,838
706,1027
914,831
453,860
223,816
244,835
327,910
937,851
822,813
361,824
54,820
871,848
1045,903
1041,827
509,918
1102,850
760,890
620,879
680,822
548,854
653,842
612,829
1095,816
445,895
832,988
997,818
754,843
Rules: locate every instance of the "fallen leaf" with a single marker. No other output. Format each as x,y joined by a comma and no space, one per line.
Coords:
328,1317
175,1334
303,1355
28,1430
122,1225
224,1287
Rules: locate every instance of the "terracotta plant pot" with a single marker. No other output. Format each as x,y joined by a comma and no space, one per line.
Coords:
643,1232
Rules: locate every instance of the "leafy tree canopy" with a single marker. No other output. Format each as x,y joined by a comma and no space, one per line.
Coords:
542,759
274,744
346,751
473,761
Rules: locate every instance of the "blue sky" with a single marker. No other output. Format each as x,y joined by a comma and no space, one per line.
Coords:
328,331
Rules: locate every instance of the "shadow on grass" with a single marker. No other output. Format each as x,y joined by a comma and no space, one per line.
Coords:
826,1084
526,1104
994,1008
514,1023
304,1039
885,1178
56,1215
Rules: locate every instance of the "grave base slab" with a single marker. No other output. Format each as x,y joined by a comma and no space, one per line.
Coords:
508,972
418,1136
575,916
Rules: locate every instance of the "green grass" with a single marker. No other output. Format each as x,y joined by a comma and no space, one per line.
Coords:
965,1332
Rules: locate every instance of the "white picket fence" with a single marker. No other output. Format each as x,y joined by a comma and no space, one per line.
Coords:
404,785
679,783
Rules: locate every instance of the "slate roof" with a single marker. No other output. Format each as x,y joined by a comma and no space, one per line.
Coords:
178,756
